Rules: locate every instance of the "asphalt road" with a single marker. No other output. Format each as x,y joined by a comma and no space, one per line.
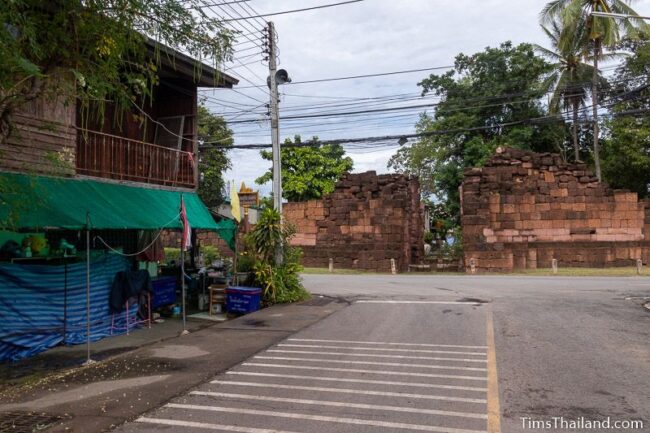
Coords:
439,354
565,347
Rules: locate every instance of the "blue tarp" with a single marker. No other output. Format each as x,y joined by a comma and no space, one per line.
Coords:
32,301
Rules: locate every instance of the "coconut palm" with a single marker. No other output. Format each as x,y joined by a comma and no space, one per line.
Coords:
569,81
601,32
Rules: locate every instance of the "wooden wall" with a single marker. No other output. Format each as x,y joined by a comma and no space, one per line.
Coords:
44,138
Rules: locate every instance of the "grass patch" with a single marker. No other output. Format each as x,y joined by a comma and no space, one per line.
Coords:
323,271
629,271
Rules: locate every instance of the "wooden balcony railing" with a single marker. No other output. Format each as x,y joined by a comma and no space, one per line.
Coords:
113,157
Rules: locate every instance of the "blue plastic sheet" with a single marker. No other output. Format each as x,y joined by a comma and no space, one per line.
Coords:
33,300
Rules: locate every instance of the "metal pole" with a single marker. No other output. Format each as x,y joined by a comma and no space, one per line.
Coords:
88,360
65,298
185,331
275,134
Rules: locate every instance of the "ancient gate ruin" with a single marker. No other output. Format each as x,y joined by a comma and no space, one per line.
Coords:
524,209
367,221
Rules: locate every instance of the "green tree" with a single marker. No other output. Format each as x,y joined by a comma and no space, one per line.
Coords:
309,170
94,50
571,73
602,33
214,137
626,150
486,101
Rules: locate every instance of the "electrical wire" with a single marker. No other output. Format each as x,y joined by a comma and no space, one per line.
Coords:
381,74
496,126
295,10
241,26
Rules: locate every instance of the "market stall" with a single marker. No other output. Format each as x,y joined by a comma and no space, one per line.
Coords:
85,233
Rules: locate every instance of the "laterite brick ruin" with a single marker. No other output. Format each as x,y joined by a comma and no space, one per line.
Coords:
524,209
367,221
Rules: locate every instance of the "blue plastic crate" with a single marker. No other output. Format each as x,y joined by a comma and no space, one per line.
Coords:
243,299
164,291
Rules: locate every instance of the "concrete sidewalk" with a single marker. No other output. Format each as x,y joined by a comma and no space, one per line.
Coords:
103,395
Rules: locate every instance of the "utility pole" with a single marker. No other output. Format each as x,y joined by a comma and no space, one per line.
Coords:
275,126
276,77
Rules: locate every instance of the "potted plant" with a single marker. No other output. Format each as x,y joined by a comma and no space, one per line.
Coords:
245,267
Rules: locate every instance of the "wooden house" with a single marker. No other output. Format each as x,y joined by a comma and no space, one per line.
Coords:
157,146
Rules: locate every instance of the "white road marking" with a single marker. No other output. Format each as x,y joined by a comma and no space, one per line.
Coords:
313,340
208,426
313,346
353,421
341,404
373,355
391,364
347,380
353,370
351,391
470,303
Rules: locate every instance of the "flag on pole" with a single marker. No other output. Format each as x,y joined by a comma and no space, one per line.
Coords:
187,230
234,203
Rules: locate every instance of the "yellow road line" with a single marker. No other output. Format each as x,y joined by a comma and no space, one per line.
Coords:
494,411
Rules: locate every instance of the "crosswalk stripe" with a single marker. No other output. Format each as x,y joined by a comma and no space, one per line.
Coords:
350,391
448,352
313,340
208,426
392,364
349,380
341,404
353,370
352,421
373,355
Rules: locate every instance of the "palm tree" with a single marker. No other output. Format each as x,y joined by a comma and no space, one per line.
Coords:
601,32
571,74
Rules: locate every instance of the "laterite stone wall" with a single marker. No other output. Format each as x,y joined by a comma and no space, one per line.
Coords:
368,220
524,209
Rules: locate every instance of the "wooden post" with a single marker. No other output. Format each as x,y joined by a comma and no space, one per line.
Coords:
331,265
639,266
554,266
393,267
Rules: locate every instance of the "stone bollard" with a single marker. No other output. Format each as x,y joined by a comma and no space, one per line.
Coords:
554,266
331,265
639,266
393,267
472,265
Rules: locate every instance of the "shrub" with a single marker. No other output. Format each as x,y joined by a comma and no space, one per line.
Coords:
210,253
280,283
172,255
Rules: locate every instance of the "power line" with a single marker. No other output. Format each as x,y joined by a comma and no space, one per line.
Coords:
256,14
294,10
382,74
245,29
207,5
503,99
496,126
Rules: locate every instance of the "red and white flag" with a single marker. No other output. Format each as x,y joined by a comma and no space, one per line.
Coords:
187,230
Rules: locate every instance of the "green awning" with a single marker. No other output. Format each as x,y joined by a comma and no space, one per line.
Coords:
40,202
227,230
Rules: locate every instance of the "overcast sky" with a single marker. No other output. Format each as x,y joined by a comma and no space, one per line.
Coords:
372,36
